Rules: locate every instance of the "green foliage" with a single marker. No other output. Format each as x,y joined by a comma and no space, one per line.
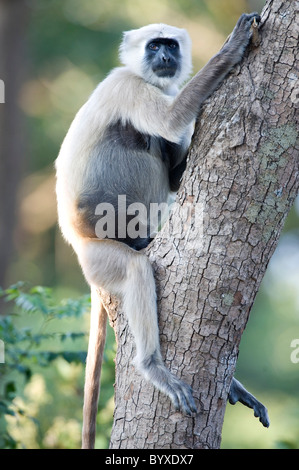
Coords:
25,349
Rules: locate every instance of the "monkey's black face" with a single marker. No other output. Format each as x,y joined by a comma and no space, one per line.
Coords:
163,56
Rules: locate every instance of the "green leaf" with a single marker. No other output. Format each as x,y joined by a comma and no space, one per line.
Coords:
4,409
78,356
29,303
72,308
7,442
24,370
10,391
72,336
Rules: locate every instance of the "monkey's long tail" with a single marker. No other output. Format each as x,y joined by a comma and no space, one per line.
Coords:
97,337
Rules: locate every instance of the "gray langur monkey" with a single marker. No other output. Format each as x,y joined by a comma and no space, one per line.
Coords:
131,139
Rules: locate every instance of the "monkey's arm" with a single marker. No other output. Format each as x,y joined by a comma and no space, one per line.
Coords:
239,393
187,104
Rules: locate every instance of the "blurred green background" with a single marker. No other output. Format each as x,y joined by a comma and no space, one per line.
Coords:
52,55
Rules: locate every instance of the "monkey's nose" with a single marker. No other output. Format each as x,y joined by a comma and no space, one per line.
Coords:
165,58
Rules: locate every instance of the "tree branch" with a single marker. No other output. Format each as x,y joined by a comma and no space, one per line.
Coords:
242,175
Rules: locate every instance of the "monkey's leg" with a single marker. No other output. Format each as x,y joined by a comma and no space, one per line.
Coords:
122,271
140,305
98,322
239,393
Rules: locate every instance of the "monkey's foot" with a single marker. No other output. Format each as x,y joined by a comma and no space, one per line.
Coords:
180,393
239,393
181,396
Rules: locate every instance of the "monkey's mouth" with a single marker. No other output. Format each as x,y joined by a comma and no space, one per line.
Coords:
165,71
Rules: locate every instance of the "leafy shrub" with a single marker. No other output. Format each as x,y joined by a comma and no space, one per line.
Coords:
25,348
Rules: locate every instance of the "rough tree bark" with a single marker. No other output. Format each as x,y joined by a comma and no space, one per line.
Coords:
243,173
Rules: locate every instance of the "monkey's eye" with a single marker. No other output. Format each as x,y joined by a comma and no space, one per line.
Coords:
172,45
153,46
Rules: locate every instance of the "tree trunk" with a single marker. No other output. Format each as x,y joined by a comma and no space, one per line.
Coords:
13,22
240,182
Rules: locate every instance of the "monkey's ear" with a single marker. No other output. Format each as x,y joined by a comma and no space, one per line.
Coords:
131,49
125,46
129,38
126,38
